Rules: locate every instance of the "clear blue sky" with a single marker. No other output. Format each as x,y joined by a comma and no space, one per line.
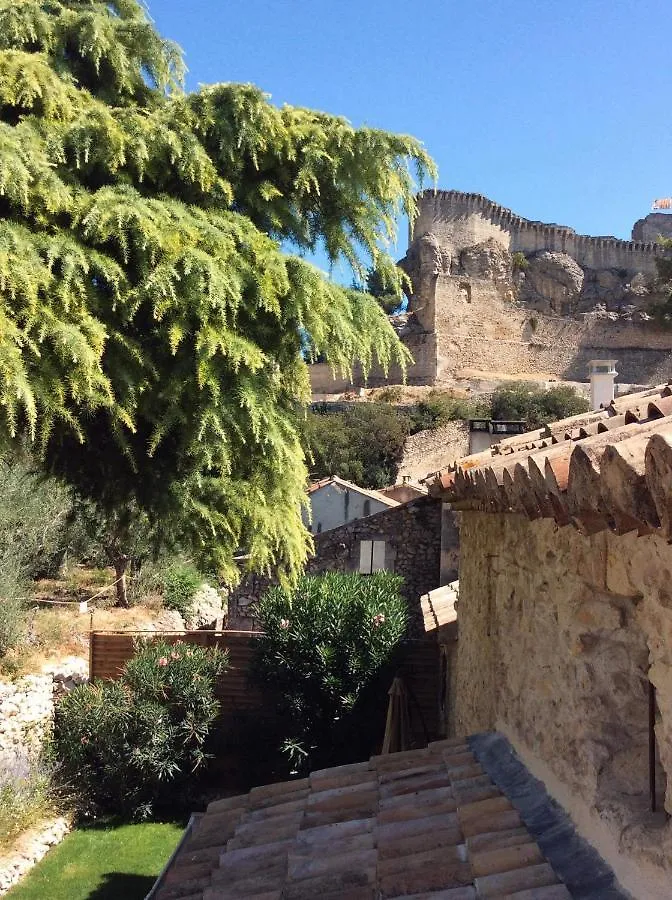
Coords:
558,110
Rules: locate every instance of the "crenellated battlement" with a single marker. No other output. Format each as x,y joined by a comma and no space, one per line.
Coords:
460,218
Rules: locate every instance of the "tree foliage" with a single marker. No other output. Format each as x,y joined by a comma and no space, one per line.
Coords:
150,324
364,444
527,401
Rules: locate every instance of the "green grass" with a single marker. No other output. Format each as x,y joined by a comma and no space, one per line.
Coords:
102,864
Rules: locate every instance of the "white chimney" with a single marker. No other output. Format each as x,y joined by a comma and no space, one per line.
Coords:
602,376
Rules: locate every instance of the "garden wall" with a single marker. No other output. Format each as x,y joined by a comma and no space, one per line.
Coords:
26,713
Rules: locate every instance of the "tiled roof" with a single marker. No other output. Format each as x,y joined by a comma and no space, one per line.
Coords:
420,824
348,485
610,469
439,606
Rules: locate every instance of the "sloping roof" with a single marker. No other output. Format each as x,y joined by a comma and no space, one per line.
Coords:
610,469
429,823
348,485
438,606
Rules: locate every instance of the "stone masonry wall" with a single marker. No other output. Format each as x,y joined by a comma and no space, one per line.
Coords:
559,636
509,296
481,330
434,449
412,533
462,219
26,712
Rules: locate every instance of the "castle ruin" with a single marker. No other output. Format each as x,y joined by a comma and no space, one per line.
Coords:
495,293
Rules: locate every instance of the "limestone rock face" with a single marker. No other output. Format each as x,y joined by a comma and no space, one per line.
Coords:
426,258
487,260
552,282
652,226
206,608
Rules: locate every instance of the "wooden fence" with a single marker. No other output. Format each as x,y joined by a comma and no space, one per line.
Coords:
417,662
110,650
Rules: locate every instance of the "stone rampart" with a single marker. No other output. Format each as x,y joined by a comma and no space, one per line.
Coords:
463,219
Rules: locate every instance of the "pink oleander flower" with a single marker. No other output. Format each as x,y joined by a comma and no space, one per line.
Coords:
284,624
163,661
84,740
378,620
174,655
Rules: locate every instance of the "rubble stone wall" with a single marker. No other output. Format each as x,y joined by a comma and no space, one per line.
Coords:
559,637
26,714
434,449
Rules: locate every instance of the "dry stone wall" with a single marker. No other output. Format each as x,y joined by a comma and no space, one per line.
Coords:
26,713
559,636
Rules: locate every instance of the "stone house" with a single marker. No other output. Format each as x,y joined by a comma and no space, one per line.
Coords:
417,539
565,619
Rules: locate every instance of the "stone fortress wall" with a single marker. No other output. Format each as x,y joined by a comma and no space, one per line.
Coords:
496,293
461,219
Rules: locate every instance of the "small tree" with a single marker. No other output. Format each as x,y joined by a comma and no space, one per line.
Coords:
129,746
325,643
365,444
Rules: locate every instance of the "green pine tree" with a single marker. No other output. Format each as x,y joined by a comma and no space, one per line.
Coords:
150,324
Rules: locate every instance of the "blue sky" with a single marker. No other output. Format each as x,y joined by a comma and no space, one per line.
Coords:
558,110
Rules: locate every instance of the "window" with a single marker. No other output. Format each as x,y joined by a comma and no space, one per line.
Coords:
371,557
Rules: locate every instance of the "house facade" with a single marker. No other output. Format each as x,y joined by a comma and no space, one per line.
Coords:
565,620
334,502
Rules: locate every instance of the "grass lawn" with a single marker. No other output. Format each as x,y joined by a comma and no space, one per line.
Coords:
104,863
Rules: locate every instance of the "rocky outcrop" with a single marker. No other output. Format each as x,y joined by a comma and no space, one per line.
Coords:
551,282
653,226
206,608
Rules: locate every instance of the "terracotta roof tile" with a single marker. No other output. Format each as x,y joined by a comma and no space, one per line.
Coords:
425,824
597,471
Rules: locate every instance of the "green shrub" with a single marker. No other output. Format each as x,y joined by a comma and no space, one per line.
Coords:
180,583
129,747
527,401
13,624
441,407
33,516
364,444
325,647
394,393
519,262
26,799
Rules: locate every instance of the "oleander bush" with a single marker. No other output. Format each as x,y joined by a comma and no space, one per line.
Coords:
130,747
325,652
